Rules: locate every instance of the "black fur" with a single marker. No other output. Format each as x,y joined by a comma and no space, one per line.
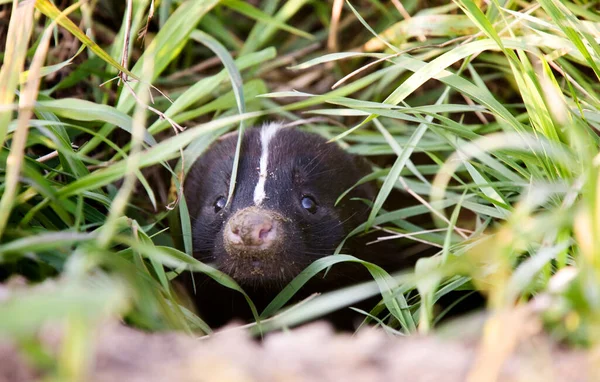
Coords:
300,164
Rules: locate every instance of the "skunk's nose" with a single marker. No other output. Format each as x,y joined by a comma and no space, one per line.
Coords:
251,228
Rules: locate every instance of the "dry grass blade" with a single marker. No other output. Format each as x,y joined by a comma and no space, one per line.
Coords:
406,16
504,331
126,37
22,32
336,13
17,40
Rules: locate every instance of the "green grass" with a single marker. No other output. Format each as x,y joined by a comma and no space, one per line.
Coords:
502,101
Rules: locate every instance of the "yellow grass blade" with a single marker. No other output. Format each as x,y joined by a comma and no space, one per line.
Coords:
19,33
50,10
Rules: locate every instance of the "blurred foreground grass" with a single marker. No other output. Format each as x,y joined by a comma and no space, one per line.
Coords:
490,111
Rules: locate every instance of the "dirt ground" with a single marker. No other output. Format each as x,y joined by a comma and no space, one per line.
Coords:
310,353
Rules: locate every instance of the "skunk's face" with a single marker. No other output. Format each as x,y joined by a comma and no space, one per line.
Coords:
282,215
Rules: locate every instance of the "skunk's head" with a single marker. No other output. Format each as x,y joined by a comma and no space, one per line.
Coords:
282,215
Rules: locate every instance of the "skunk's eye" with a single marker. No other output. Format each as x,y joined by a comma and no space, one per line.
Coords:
309,204
220,203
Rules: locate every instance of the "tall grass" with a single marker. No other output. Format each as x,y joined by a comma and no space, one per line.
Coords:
490,111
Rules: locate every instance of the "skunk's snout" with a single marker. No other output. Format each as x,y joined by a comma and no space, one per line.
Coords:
252,231
250,227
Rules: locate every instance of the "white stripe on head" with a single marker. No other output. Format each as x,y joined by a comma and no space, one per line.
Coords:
266,134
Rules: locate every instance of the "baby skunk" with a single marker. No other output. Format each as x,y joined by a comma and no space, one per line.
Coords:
282,217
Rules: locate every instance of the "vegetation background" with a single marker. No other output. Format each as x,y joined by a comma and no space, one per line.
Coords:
489,110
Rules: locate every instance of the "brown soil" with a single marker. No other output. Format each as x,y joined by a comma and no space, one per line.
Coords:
311,353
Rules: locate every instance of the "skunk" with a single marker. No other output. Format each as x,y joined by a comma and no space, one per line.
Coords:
283,215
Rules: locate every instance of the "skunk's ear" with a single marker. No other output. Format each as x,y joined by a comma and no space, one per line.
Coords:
228,135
